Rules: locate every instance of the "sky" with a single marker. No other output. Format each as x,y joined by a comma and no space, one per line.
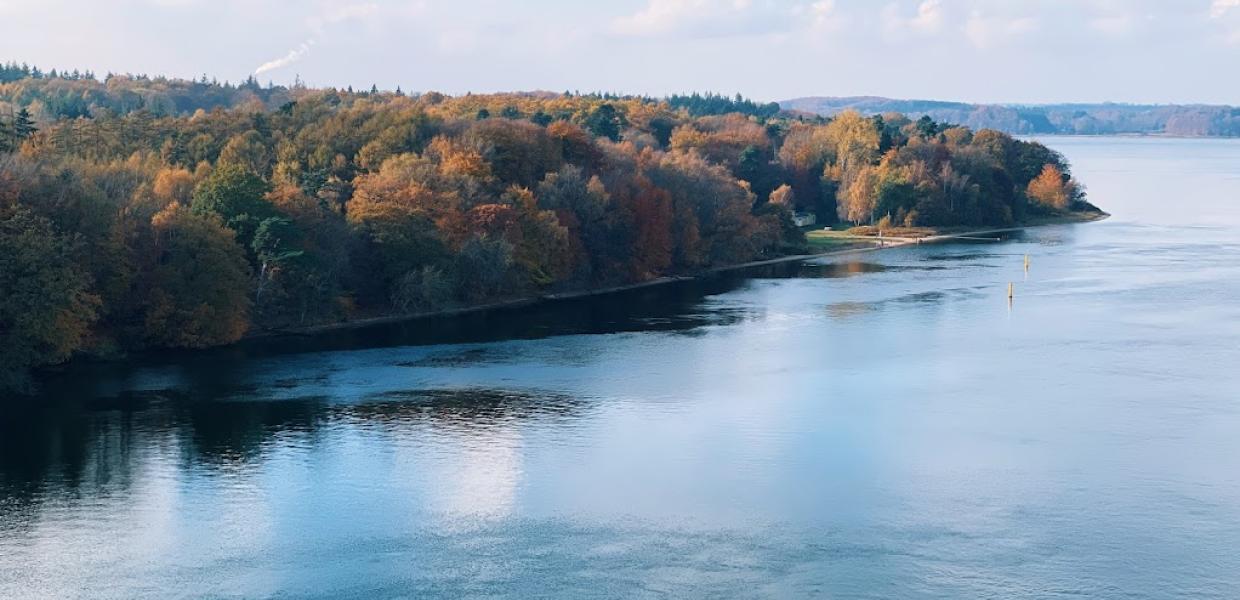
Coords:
1011,51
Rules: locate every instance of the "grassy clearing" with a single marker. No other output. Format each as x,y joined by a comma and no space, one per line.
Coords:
834,237
830,240
820,239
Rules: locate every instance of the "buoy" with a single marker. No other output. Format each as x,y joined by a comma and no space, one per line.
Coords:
1026,262
1011,290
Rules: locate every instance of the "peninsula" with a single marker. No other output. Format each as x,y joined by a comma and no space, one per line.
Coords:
144,212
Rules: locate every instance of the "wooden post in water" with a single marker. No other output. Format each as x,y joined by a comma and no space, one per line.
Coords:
1026,263
1011,291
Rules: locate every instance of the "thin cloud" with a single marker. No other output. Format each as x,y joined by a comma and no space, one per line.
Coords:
929,16
1222,11
703,18
1220,8
343,13
662,17
927,20
1112,25
987,31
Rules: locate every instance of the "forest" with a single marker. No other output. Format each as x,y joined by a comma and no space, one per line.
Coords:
141,213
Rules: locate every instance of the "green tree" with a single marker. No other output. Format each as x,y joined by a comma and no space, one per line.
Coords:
541,119
885,140
46,307
895,195
927,128
276,246
754,168
661,128
236,195
605,121
22,126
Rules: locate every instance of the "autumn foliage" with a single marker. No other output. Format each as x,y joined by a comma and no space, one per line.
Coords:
170,227
1051,189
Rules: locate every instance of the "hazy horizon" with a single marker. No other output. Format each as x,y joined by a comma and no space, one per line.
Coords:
977,51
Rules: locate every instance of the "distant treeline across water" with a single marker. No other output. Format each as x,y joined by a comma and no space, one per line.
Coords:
1076,119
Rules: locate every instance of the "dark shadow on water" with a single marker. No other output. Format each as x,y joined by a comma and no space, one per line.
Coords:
678,307
464,409
97,448
89,431
79,437
964,257
459,358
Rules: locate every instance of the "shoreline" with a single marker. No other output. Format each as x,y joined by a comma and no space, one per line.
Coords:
880,244
518,303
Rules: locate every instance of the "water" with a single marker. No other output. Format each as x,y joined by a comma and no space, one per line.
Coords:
882,425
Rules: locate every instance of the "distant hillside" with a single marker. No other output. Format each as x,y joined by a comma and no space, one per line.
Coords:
1080,119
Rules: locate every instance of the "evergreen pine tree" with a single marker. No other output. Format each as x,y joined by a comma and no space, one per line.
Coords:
23,126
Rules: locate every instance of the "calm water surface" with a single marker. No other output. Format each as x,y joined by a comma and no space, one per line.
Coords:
882,425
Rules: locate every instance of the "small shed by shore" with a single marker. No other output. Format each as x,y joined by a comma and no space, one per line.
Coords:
804,219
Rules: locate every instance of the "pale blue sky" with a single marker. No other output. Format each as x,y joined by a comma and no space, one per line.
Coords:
975,50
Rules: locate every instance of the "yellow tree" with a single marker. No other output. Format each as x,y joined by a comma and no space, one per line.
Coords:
856,141
173,184
403,185
806,149
541,243
721,139
1049,188
248,151
857,195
